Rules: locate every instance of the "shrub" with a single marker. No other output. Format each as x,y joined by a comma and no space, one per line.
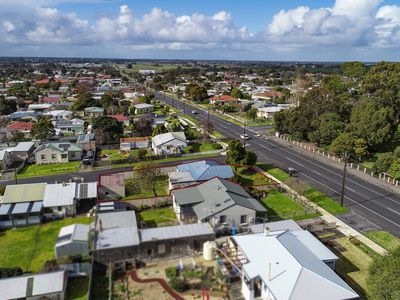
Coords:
10,272
171,273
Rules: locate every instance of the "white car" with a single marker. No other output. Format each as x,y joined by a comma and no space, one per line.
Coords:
244,136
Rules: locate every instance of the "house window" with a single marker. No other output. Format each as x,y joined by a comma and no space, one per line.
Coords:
64,155
161,249
222,219
53,156
73,154
149,252
42,157
59,208
243,219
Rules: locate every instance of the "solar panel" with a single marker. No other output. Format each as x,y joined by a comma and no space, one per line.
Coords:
83,191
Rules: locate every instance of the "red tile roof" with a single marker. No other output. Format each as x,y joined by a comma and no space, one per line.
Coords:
134,139
20,126
223,98
119,118
43,81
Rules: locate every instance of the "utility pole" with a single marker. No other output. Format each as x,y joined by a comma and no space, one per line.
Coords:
344,180
244,134
15,175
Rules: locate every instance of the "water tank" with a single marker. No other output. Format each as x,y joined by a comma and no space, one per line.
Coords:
209,250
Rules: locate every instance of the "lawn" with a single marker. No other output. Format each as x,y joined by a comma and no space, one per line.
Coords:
383,239
116,154
250,177
30,247
51,169
280,205
217,134
157,217
325,202
78,288
353,265
276,172
133,191
190,118
204,147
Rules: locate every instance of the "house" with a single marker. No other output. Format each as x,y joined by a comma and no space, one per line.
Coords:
287,264
23,127
52,153
5,159
74,126
51,286
39,106
93,112
22,205
24,115
118,238
22,151
199,171
60,199
127,144
220,202
142,108
123,119
169,143
72,240
87,141
59,114
269,111
223,99
112,186
267,95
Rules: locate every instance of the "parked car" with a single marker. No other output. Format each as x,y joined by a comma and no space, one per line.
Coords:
195,112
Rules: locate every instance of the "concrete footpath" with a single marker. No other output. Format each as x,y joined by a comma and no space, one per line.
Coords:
341,226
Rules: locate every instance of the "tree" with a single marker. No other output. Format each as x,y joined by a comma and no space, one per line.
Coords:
252,113
250,159
142,127
83,101
344,143
175,125
236,152
146,175
329,127
107,130
394,169
17,137
159,129
384,276
7,106
360,147
353,69
372,122
43,129
383,162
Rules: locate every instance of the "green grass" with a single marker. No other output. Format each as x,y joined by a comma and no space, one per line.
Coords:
51,169
325,202
30,247
116,154
133,192
157,216
251,177
383,239
190,118
217,135
78,288
276,172
204,147
280,205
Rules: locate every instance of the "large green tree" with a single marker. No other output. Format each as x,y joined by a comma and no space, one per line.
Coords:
353,69
7,106
43,129
252,113
329,126
236,152
384,276
343,144
83,101
107,130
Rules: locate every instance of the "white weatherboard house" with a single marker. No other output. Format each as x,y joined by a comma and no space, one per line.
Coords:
61,198
51,286
285,264
169,143
72,240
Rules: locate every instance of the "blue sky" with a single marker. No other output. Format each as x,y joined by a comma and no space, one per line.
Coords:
334,30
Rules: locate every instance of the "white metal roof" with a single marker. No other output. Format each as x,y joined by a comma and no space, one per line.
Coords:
73,233
172,232
42,284
23,147
86,190
289,268
59,194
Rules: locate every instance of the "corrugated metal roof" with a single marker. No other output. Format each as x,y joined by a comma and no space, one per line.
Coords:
205,170
73,233
23,147
117,238
164,138
173,232
37,206
5,209
87,190
59,194
24,192
20,208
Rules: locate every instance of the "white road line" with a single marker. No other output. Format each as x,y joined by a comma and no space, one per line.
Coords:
317,173
396,212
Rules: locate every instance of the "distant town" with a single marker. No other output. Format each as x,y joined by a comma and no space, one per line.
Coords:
174,179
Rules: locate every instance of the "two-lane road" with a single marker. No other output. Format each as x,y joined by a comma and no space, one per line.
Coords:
367,200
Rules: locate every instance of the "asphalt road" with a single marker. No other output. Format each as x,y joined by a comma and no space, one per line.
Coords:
366,200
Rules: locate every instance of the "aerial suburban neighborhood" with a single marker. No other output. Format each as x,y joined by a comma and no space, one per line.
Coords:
154,174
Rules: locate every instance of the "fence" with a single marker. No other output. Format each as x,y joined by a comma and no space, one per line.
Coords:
153,201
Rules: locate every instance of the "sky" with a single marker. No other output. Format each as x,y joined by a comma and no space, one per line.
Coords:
292,30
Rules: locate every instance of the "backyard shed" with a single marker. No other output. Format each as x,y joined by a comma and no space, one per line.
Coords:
72,240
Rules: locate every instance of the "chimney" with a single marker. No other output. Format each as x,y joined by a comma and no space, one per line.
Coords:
266,231
269,271
101,225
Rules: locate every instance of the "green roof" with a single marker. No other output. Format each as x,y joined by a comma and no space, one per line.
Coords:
62,147
24,193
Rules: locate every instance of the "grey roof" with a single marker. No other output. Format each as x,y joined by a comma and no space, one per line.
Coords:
73,233
180,177
34,286
173,232
143,105
20,208
86,190
116,230
59,194
23,147
82,138
214,196
274,226
289,268
61,147
164,138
